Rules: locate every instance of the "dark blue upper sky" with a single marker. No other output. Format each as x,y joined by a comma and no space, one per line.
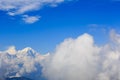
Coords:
68,19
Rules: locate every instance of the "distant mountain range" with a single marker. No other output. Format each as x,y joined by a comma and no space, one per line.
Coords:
25,62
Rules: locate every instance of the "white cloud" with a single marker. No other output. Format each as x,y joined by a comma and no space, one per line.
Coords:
30,19
74,59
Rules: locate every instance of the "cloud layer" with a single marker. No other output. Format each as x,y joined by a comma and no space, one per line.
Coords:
73,59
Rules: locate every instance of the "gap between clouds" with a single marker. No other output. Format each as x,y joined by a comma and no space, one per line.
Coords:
73,59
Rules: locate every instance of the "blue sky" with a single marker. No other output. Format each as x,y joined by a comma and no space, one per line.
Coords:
67,19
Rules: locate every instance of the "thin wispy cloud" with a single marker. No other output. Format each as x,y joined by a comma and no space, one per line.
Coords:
15,7
21,7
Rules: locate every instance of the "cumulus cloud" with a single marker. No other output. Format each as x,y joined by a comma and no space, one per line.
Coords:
30,19
73,59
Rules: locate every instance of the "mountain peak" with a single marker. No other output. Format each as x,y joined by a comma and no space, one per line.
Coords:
11,50
27,49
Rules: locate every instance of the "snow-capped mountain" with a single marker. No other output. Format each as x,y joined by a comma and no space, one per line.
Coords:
27,52
25,62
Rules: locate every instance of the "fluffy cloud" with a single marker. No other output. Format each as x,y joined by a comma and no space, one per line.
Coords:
73,59
30,19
